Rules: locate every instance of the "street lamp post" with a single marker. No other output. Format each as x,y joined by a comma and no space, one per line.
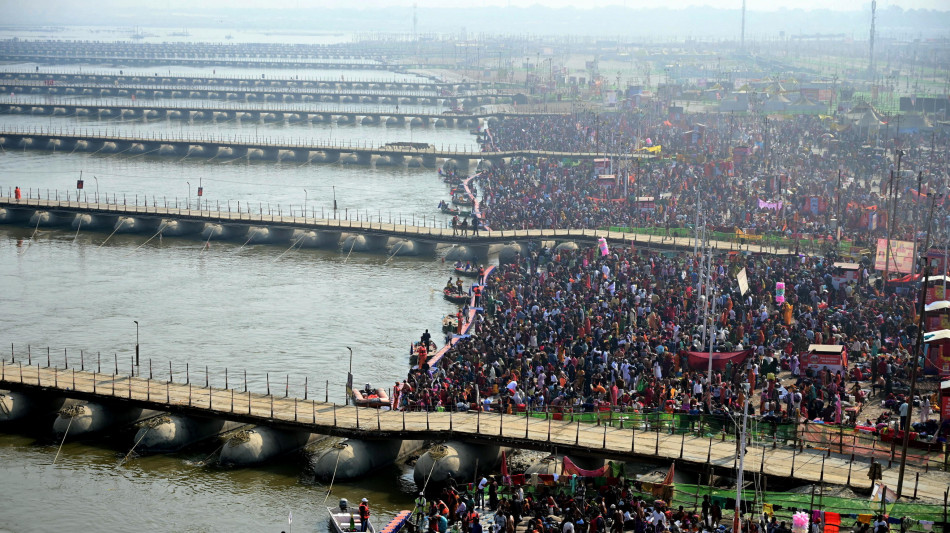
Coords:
349,377
188,201
305,203
97,188
136,342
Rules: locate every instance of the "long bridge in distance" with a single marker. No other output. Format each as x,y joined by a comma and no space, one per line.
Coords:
225,148
115,108
203,62
548,432
369,232
90,51
67,77
261,93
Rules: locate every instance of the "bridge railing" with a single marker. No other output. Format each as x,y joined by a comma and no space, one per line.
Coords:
313,91
210,210
251,142
264,107
226,211
233,390
47,73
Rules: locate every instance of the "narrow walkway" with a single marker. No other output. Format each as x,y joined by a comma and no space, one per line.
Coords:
404,231
518,431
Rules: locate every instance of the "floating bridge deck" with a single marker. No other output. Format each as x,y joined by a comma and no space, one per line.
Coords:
427,234
520,431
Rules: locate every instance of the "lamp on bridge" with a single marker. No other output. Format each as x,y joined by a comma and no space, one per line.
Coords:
136,342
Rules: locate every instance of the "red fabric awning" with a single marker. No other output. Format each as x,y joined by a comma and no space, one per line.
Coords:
905,279
568,467
700,360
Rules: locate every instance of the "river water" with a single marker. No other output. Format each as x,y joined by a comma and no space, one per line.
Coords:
276,315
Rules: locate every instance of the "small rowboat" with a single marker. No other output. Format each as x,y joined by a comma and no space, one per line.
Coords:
369,397
455,297
346,520
461,200
456,211
467,272
416,353
450,323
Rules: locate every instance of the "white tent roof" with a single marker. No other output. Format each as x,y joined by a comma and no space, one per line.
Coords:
937,306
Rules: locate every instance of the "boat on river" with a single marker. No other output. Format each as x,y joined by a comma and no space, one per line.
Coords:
469,272
450,323
455,211
346,520
455,297
370,397
461,199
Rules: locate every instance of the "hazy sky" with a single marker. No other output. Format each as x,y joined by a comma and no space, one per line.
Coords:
755,5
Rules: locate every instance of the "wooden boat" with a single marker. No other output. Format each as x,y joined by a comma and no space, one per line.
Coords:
416,351
455,297
467,272
450,323
370,397
459,199
455,211
346,520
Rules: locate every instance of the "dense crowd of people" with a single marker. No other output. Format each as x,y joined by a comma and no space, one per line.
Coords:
583,331
781,177
627,329
613,504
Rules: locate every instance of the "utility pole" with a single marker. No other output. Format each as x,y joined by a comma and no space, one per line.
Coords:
838,207
920,177
895,183
871,47
742,35
917,351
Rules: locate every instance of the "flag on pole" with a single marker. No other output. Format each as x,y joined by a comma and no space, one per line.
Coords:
668,480
505,478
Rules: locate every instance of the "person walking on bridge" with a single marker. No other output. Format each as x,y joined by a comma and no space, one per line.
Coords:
17,194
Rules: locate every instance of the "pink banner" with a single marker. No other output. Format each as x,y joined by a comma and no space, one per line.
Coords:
769,205
700,360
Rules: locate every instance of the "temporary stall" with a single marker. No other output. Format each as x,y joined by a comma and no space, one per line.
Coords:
834,357
937,351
